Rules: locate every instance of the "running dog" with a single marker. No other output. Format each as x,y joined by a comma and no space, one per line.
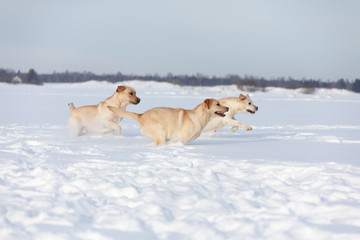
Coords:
163,124
242,104
98,118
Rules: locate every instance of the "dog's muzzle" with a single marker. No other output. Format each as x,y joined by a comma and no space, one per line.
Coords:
137,101
252,112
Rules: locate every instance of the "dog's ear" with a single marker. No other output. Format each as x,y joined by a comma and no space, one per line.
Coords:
242,97
208,102
120,89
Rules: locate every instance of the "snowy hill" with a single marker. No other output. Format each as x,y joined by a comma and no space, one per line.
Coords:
296,175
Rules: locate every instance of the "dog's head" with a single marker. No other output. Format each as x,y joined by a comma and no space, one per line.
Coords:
248,104
214,106
127,94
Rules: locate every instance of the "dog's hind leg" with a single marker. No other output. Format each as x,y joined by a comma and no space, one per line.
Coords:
155,132
75,128
159,141
83,131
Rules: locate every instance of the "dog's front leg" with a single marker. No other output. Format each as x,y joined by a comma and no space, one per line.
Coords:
236,124
114,126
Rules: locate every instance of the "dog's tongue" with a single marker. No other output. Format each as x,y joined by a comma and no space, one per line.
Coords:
220,113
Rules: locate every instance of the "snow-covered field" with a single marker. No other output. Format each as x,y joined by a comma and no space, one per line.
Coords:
295,176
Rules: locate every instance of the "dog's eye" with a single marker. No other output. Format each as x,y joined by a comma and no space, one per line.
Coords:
218,104
249,103
131,93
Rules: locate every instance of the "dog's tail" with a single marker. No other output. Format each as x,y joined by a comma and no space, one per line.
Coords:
122,113
71,107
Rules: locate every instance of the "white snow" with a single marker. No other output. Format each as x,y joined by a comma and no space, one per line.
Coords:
296,175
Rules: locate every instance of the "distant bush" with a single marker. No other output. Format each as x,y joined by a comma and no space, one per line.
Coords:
247,88
33,78
308,90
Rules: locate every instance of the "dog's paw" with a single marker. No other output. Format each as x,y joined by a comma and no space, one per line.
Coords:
248,128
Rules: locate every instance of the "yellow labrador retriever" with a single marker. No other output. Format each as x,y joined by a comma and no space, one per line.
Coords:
164,124
98,118
242,104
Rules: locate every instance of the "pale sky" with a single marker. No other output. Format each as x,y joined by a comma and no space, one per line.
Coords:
281,38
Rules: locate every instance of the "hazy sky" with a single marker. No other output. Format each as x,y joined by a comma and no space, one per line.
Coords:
270,38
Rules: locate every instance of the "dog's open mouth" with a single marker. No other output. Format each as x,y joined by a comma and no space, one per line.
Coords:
222,114
248,110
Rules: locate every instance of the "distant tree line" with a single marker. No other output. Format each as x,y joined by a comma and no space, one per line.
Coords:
247,82
10,76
